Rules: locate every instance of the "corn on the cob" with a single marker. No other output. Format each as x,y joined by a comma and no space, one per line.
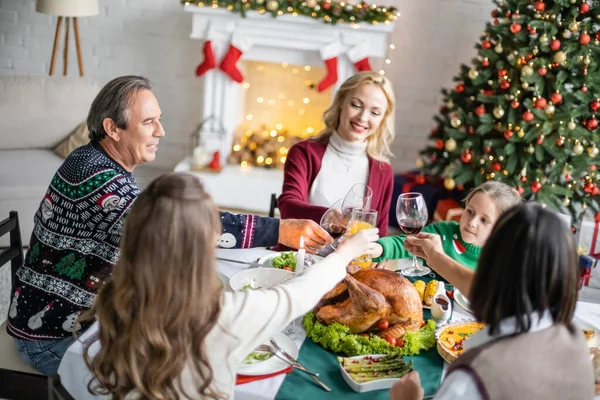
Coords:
420,286
430,292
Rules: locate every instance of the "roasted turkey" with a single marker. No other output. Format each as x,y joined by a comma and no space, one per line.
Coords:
369,295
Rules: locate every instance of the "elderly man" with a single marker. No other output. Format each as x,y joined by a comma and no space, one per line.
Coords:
75,242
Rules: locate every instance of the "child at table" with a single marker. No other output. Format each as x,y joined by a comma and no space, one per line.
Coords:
525,291
164,325
460,241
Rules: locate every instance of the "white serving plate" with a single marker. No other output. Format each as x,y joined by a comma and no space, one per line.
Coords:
273,364
462,301
259,277
378,384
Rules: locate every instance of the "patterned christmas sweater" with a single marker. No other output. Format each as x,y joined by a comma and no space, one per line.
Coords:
75,243
452,243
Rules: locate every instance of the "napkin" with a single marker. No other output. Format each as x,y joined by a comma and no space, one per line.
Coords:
241,379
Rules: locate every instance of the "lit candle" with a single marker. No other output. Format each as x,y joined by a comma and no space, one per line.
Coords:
300,257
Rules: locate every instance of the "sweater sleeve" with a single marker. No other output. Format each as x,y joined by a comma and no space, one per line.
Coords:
257,314
239,231
387,187
293,202
393,246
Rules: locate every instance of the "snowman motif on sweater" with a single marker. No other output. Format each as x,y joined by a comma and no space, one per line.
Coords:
36,322
72,321
13,305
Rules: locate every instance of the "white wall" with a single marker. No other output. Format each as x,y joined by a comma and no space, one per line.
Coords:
151,38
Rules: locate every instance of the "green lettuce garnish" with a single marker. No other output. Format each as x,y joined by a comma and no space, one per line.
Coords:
338,338
287,259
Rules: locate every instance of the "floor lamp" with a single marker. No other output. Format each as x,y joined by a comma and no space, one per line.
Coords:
70,10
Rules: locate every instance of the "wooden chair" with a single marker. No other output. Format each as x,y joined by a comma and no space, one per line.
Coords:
18,380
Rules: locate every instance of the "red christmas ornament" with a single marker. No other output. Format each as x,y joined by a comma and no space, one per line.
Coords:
523,179
595,105
488,149
520,189
480,110
539,6
598,35
541,103
508,134
515,28
326,5
495,22
556,98
540,140
439,144
584,7
588,187
514,103
486,44
504,84
568,177
502,72
496,166
584,88
591,124
516,15
508,14
495,13
420,179
471,131
560,141
584,38
595,191
466,156
542,71
460,187
536,186
460,88
532,31
488,92
433,157
593,167
554,45
528,116
486,63
215,163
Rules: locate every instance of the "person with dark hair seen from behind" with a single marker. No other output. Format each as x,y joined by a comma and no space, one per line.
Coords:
525,291
77,228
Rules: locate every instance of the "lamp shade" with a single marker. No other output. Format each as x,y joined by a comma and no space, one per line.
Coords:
67,8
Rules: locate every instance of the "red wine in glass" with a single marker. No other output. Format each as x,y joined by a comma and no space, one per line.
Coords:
411,226
335,231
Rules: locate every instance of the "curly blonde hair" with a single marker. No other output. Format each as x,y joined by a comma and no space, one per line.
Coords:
163,298
378,144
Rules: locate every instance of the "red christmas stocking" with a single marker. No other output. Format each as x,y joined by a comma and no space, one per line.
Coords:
330,54
209,59
239,45
359,56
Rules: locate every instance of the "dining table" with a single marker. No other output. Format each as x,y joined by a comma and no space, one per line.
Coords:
296,385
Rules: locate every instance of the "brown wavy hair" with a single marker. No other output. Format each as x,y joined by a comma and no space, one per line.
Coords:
163,298
378,144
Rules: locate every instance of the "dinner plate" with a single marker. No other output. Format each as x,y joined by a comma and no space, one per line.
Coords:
462,301
266,260
378,384
273,364
224,281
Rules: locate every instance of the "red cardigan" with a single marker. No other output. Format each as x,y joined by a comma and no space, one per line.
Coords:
301,168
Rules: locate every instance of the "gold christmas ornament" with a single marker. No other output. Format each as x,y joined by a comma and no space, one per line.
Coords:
544,39
450,104
498,49
566,201
586,60
498,112
473,73
450,145
527,70
560,57
592,151
578,148
525,85
574,26
455,121
449,183
550,109
420,163
530,149
272,5
521,133
571,125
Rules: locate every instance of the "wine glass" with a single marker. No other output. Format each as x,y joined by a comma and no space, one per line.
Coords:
335,222
359,196
362,219
411,213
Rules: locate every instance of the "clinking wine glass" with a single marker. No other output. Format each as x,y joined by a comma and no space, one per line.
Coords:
359,196
411,213
362,219
335,222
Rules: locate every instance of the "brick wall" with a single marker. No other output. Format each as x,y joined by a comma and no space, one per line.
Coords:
151,37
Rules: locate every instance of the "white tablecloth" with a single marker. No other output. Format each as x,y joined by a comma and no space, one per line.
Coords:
70,372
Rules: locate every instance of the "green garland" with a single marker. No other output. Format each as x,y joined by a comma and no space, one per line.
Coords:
328,11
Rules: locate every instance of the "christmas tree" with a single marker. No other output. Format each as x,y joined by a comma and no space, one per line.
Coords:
524,112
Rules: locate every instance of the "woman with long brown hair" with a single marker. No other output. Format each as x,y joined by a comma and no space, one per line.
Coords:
164,329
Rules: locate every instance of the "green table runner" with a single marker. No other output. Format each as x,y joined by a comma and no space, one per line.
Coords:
298,385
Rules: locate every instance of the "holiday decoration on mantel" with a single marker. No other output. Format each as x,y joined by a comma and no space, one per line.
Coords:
207,145
328,11
265,148
525,111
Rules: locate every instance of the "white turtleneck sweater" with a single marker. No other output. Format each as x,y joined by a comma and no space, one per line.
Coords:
344,164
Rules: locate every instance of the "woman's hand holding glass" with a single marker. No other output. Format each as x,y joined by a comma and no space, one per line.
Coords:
362,242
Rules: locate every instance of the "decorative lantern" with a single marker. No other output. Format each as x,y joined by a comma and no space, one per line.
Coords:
208,145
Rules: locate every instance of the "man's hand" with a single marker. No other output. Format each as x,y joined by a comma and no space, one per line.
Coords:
425,245
315,237
407,388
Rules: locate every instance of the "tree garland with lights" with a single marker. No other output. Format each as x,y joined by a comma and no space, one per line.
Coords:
326,10
524,112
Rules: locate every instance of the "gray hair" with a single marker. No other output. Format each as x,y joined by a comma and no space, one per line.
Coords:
113,101
504,196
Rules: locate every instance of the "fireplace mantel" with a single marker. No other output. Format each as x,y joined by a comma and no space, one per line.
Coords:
287,38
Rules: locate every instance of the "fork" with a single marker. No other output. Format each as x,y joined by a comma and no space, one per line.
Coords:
292,359
269,349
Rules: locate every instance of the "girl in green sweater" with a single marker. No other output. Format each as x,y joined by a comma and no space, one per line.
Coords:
461,241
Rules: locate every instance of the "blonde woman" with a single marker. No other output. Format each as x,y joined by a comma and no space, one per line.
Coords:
165,329
353,148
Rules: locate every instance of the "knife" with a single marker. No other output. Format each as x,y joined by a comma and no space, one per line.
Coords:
292,359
